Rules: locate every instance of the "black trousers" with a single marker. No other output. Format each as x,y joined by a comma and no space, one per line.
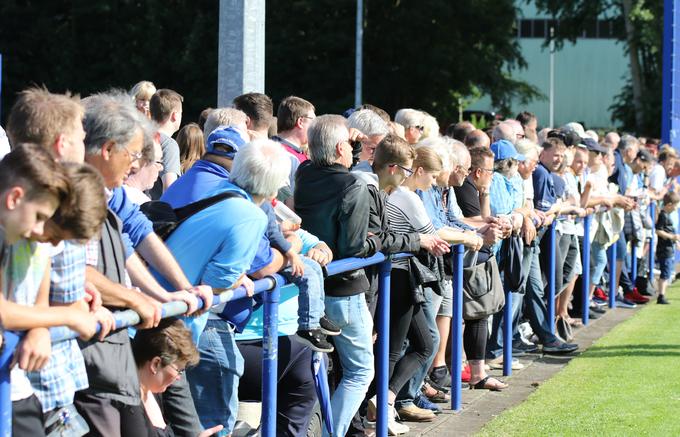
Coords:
474,338
28,418
296,393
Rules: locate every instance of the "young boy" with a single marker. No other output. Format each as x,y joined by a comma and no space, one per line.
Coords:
665,247
32,186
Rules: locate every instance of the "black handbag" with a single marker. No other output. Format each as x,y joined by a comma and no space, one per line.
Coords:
482,290
511,256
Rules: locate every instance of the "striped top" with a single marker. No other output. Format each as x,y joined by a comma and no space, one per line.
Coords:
406,214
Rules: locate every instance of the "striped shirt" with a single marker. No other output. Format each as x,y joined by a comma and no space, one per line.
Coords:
406,213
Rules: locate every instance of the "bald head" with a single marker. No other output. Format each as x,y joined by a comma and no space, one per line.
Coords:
459,130
505,131
477,138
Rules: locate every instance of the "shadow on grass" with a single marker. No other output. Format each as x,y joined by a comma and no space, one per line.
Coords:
630,350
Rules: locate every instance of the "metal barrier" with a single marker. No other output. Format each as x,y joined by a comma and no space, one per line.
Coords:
611,260
585,274
652,241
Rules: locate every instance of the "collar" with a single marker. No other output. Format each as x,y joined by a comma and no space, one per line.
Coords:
288,143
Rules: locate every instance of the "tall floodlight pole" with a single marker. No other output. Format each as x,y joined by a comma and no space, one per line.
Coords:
240,60
552,77
358,62
670,104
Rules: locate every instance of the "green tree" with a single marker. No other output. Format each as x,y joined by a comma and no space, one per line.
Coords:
638,106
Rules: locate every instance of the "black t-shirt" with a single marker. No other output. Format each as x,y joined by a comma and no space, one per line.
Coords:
467,197
665,248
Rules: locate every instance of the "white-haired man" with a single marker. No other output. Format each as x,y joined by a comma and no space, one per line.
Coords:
374,128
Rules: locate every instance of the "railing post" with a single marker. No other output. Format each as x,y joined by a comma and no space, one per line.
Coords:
507,334
611,260
383,330
457,328
270,351
585,275
551,277
633,262
9,343
652,241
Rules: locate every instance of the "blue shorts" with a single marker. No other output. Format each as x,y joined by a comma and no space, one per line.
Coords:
667,266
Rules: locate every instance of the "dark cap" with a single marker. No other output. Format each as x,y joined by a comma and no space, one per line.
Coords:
644,156
594,146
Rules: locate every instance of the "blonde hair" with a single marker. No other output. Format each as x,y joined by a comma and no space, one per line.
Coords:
143,90
428,159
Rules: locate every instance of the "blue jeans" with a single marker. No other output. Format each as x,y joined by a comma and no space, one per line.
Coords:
494,346
408,393
355,350
598,261
311,297
214,381
534,298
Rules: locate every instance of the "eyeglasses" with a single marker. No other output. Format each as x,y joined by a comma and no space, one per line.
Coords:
179,372
465,171
134,156
409,171
485,169
420,128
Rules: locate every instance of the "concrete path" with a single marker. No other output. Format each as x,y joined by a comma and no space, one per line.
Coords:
481,406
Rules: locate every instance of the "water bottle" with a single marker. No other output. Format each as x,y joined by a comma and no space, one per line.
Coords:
285,214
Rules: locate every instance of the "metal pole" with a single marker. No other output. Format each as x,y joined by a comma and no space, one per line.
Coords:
667,81
383,330
552,77
9,343
652,240
585,276
611,255
358,61
457,328
270,351
551,277
633,262
507,334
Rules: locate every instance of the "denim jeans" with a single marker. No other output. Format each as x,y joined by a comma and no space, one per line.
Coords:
598,261
214,381
494,346
355,349
408,393
534,299
311,297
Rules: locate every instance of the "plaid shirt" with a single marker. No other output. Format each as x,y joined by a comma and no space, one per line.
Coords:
56,384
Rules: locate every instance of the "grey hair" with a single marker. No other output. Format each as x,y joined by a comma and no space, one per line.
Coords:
408,117
149,128
443,146
261,168
527,147
504,131
110,117
368,123
223,117
460,151
505,166
628,141
324,133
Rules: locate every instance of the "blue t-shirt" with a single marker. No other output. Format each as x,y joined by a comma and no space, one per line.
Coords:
136,226
544,188
501,195
216,246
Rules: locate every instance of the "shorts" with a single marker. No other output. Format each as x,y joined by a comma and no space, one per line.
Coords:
446,306
572,261
667,267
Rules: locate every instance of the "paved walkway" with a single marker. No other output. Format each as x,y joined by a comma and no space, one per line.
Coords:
481,406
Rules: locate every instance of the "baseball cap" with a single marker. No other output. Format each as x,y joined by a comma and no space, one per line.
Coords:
226,136
576,128
504,149
594,146
644,156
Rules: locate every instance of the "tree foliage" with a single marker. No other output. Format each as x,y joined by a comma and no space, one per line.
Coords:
417,54
646,38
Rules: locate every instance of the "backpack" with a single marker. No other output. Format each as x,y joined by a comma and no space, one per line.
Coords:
166,219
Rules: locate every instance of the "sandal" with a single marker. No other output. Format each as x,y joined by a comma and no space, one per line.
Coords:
575,323
482,384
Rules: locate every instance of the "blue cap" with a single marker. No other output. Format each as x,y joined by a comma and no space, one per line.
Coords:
594,146
504,149
226,136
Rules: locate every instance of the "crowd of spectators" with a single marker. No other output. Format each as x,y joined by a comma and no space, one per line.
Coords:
254,193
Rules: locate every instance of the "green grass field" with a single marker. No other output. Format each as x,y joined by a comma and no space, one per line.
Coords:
627,383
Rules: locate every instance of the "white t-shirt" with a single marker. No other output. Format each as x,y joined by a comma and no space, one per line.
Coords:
657,177
4,143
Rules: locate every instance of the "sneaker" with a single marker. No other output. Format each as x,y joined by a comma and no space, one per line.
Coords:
662,300
328,328
624,303
423,402
635,297
394,427
413,413
559,347
441,376
497,363
600,294
593,315
522,348
314,339
600,309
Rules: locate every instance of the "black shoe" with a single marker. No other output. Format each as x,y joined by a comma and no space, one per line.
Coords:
597,309
436,386
521,348
441,376
593,315
662,300
314,339
558,347
328,328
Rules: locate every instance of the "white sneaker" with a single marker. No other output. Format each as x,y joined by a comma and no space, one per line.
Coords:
394,427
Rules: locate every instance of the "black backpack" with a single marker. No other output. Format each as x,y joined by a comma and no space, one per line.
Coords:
166,219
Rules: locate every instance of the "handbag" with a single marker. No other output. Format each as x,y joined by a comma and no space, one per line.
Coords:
511,256
482,290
